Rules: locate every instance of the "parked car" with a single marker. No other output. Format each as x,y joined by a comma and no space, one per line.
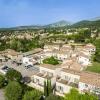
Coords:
26,80
4,69
28,66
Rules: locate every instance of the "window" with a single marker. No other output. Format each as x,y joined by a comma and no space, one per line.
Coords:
50,74
37,81
86,85
60,88
76,80
66,78
43,71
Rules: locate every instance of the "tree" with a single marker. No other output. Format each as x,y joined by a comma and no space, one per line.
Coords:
13,75
2,81
88,96
13,91
32,95
47,88
75,95
97,53
53,97
73,47
51,60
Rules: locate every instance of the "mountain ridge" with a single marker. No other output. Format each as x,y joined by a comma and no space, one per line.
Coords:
62,23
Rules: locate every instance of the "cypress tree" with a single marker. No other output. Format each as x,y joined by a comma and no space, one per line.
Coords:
49,87
45,89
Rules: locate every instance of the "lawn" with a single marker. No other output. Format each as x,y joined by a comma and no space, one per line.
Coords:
94,68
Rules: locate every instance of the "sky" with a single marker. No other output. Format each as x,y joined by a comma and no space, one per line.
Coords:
29,12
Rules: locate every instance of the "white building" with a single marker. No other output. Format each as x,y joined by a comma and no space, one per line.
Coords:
67,80
28,61
51,47
83,59
89,82
47,72
83,81
90,48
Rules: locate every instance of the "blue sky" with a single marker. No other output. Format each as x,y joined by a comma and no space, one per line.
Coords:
29,12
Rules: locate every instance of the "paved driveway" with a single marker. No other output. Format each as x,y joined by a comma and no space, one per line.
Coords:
25,72
2,94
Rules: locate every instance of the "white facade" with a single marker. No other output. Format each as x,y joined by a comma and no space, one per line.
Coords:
66,82
61,89
84,60
50,47
39,79
44,75
90,88
28,61
70,77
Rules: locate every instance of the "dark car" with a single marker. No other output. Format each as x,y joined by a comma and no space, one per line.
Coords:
28,66
6,68
26,80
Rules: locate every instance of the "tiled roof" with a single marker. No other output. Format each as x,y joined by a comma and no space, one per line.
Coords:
49,66
86,77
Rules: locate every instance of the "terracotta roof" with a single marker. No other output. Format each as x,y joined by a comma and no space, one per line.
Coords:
49,66
62,81
65,48
11,52
86,77
71,71
90,78
72,64
75,66
32,51
89,46
83,55
44,75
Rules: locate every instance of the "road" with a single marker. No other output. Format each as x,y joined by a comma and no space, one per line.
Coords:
2,94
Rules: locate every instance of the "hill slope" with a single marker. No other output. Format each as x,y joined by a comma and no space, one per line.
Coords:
87,23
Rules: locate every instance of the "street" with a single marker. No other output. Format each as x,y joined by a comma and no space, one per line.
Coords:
2,94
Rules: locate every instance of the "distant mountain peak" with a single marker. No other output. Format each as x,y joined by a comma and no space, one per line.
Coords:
60,24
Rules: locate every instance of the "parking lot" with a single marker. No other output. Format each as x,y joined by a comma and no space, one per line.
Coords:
21,68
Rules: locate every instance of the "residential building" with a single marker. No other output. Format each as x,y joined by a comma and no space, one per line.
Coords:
28,61
67,80
89,82
47,72
12,54
51,47
83,59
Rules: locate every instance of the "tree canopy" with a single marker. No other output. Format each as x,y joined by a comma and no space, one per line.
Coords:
32,95
2,81
51,60
13,91
53,97
75,95
13,75
97,53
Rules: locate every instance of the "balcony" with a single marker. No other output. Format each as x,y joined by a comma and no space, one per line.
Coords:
74,85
